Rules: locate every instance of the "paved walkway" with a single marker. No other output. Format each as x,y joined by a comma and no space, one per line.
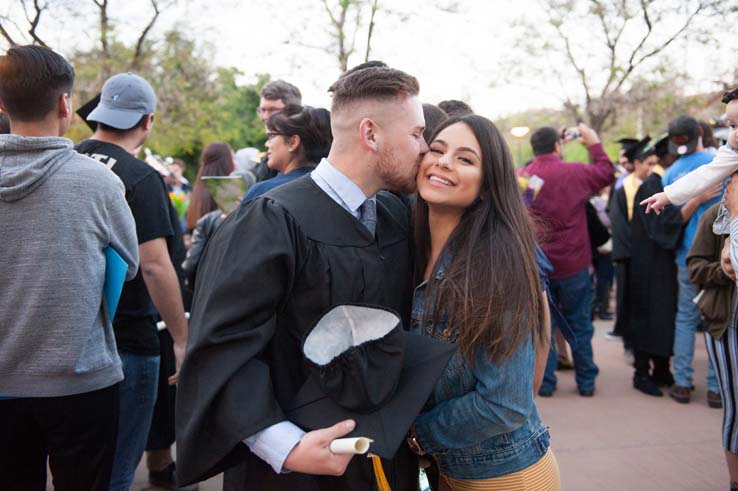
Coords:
623,440
620,439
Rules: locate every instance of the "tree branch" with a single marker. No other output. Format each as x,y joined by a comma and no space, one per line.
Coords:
38,10
570,55
356,30
632,65
7,36
138,52
375,6
104,45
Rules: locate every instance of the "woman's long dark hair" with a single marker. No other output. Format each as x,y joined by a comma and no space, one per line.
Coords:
491,291
215,160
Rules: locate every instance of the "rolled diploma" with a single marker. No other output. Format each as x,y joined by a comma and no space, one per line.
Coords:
357,446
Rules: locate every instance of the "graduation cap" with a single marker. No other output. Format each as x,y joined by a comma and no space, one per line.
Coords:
659,147
87,108
627,143
365,367
635,150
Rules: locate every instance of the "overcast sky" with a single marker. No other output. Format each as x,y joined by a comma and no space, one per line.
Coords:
454,54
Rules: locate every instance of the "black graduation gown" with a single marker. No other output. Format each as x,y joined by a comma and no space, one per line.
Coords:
621,243
270,271
653,275
617,209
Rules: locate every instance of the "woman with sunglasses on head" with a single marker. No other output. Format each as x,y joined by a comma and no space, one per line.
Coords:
297,139
481,290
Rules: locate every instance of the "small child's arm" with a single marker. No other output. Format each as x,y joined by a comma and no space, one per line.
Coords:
701,179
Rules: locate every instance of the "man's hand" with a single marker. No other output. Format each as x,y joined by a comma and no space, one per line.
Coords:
179,353
313,456
725,264
589,137
657,202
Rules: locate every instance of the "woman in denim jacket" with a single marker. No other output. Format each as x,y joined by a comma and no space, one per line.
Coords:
480,290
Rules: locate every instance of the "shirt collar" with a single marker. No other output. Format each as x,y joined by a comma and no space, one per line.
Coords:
345,188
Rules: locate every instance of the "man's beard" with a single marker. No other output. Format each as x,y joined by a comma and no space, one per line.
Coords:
391,173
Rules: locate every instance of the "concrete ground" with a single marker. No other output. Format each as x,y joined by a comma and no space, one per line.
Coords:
621,439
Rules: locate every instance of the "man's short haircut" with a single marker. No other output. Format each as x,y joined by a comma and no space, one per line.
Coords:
455,108
366,64
120,132
376,83
544,140
281,90
32,78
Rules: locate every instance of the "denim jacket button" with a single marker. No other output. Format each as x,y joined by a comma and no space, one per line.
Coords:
447,332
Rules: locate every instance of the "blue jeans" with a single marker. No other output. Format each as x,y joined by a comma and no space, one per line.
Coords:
687,321
137,399
572,295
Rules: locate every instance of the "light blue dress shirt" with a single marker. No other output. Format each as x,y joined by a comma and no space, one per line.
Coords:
274,444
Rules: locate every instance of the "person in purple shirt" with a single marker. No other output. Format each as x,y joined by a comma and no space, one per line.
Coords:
559,210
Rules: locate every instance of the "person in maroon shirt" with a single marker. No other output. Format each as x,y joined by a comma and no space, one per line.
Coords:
563,188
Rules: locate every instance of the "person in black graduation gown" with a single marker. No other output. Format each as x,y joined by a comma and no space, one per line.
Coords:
620,210
653,283
272,269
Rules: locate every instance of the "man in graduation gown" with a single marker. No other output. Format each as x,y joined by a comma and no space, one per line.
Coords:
653,283
272,269
620,211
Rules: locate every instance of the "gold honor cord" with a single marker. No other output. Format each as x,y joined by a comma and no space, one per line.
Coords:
382,484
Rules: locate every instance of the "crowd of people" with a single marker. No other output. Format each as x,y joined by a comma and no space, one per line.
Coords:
388,273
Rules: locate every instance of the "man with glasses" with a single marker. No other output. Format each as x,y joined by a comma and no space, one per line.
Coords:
274,96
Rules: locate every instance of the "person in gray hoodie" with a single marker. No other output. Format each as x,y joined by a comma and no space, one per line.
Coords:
59,211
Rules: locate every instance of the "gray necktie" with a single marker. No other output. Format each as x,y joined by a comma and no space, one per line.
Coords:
368,215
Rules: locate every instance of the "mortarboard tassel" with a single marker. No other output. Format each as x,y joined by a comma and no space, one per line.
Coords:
382,484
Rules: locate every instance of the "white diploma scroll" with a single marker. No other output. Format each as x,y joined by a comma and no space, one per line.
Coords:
356,446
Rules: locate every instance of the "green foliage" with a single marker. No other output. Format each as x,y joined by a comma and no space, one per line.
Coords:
197,103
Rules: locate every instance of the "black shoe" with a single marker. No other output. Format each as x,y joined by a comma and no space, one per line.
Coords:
546,391
663,379
167,479
586,392
646,385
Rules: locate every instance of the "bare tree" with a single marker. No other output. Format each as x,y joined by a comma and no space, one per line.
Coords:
158,6
105,31
340,31
622,35
106,35
372,13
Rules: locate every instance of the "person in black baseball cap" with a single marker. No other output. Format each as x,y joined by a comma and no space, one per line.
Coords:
685,135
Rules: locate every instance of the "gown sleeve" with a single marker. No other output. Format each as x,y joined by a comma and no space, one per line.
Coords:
665,228
225,391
